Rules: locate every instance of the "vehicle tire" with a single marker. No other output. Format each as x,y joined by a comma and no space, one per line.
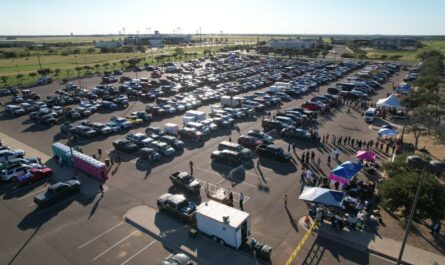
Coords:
215,238
222,242
160,207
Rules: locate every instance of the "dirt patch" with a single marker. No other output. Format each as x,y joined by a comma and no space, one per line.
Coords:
436,150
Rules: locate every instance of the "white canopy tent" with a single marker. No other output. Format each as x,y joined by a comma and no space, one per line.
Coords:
392,102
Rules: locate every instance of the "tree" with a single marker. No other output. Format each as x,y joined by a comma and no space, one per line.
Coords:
122,62
140,48
133,62
398,194
91,50
114,65
32,75
179,52
97,66
56,72
4,78
383,56
19,77
44,71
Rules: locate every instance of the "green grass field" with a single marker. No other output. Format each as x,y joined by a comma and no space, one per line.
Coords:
408,55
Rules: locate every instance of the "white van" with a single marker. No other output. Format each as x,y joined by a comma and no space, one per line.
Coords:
369,115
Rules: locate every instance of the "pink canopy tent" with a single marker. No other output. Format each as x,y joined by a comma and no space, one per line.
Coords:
366,155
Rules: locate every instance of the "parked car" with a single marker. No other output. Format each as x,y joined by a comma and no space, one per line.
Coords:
177,259
177,205
162,148
249,141
149,154
57,192
226,145
85,131
7,155
264,137
125,146
228,157
35,174
140,139
13,173
177,144
272,151
297,133
185,180
142,115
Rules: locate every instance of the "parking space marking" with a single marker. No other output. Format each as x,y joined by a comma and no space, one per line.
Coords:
57,204
28,186
116,244
224,178
30,205
32,193
139,251
96,237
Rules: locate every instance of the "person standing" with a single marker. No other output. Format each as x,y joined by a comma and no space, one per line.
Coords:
230,139
329,160
312,156
336,184
302,157
191,167
231,198
307,157
241,201
318,162
288,147
285,200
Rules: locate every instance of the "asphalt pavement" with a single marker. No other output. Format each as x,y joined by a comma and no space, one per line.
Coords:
89,228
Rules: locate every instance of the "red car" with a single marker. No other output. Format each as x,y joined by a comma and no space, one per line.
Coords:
249,141
311,106
35,174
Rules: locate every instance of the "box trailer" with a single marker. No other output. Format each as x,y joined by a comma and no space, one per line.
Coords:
171,128
198,115
233,102
223,223
187,119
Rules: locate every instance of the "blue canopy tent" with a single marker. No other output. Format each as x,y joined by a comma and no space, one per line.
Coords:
344,172
404,87
322,196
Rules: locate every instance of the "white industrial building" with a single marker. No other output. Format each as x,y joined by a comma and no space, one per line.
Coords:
109,44
295,44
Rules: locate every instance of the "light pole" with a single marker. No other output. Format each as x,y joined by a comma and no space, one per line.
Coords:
78,72
416,162
70,144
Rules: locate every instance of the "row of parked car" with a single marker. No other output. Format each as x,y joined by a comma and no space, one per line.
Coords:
19,170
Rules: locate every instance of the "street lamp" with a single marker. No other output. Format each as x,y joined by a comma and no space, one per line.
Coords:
70,144
419,163
78,72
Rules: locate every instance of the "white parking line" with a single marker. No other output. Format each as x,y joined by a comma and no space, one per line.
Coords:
224,178
137,253
96,237
32,193
117,243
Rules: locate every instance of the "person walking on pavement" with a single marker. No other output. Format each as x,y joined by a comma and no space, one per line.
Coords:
191,167
318,162
288,148
312,156
241,201
302,157
285,200
352,142
231,198
307,157
329,160
230,139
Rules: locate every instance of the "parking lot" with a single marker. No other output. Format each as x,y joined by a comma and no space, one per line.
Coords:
89,228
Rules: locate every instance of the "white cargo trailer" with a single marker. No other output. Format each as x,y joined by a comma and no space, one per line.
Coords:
223,223
233,102
198,115
171,128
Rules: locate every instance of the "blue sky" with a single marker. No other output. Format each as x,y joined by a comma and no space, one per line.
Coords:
37,17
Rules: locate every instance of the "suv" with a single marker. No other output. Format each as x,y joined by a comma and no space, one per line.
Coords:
162,148
173,141
273,151
227,157
85,131
10,174
140,139
125,145
7,155
225,145
264,137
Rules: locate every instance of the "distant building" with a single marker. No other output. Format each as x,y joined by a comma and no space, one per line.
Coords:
157,39
379,43
295,44
11,38
109,44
